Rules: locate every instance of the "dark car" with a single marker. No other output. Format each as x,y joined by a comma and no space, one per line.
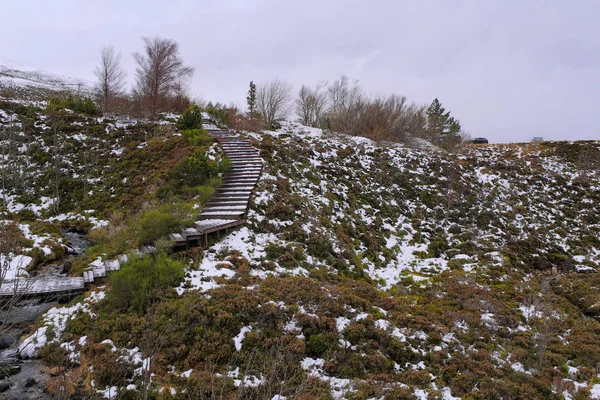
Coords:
479,140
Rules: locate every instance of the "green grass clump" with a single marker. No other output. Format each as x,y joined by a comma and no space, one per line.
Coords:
155,222
141,280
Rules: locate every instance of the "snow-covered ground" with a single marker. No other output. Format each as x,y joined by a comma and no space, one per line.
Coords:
382,211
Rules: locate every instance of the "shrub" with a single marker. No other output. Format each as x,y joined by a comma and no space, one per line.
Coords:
317,345
318,246
196,169
206,385
149,225
437,247
190,119
108,369
141,281
197,137
219,113
155,224
78,105
158,222
203,193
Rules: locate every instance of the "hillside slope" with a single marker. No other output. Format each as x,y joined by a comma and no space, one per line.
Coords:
27,82
365,271
463,247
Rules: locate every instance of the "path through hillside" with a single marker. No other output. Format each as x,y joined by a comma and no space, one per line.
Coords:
225,209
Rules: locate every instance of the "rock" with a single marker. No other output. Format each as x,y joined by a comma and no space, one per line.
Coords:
67,267
4,386
70,250
14,369
9,370
6,341
30,382
54,371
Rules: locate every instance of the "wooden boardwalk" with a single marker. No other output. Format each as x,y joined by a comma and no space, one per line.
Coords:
225,209
43,286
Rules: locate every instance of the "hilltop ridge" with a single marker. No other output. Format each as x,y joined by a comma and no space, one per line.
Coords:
28,82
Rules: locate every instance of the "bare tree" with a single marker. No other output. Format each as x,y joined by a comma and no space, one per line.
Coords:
347,101
9,160
5,140
110,75
273,100
160,72
12,287
465,137
311,104
56,160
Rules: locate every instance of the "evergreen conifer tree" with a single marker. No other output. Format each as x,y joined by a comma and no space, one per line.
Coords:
251,99
441,127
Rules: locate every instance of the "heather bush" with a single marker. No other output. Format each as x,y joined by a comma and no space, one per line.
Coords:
78,105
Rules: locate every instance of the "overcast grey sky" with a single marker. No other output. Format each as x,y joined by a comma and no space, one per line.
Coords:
508,70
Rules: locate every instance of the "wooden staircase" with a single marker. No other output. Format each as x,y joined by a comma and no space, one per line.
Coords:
228,205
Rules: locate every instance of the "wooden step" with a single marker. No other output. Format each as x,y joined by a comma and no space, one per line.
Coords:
88,276
229,188
246,163
241,150
224,207
99,270
236,172
218,203
191,234
240,182
231,215
239,185
227,197
242,176
112,265
236,213
178,238
246,159
209,225
234,192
